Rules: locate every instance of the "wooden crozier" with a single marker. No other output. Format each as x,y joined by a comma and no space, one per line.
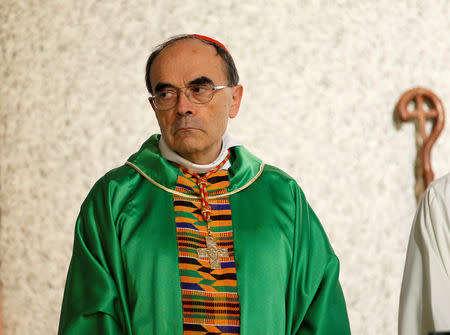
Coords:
426,106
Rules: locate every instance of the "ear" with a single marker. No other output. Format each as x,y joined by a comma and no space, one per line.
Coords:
236,96
152,104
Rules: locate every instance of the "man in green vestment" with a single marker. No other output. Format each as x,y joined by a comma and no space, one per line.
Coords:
194,234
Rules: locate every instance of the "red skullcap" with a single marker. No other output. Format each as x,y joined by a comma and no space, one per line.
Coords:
209,39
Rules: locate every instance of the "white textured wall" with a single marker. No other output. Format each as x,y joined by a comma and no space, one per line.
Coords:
321,81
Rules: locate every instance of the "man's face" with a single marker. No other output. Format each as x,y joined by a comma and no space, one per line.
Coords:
194,131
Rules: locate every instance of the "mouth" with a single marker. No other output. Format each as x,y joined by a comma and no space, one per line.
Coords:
186,125
185,129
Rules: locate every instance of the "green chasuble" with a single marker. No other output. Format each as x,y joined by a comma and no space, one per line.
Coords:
124,276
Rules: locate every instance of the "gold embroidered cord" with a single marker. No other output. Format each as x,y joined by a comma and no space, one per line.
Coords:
188,196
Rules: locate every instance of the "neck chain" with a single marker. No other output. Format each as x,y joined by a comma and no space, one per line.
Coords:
212,251
201,182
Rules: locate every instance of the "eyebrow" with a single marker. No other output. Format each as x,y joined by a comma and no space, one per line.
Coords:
201,80
160,86
197,81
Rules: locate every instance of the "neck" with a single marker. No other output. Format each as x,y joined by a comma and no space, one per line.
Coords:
202,158
188,161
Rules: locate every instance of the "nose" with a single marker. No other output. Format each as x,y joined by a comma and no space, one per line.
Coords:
184,106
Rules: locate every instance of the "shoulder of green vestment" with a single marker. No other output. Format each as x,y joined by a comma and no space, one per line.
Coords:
150,162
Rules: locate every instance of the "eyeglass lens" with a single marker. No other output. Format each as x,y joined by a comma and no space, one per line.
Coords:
198,94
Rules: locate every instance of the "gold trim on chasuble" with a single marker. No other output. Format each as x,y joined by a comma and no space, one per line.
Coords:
209,293
189,196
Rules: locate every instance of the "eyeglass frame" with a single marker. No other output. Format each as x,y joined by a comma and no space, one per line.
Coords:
152,98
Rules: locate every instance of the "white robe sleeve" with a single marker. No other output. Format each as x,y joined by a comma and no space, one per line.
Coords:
425,292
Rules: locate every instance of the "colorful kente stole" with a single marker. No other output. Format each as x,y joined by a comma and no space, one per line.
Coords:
209,296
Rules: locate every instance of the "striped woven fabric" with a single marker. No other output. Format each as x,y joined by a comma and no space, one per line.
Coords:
209,296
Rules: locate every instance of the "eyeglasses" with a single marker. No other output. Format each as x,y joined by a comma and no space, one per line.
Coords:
168,97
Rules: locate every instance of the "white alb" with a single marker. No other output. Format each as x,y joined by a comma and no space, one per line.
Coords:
425,293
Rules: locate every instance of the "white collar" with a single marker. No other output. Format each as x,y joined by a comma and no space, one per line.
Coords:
170,155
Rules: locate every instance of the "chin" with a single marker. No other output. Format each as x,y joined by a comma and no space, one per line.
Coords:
185,146
188,144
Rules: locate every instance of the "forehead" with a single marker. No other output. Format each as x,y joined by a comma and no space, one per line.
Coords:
186,60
